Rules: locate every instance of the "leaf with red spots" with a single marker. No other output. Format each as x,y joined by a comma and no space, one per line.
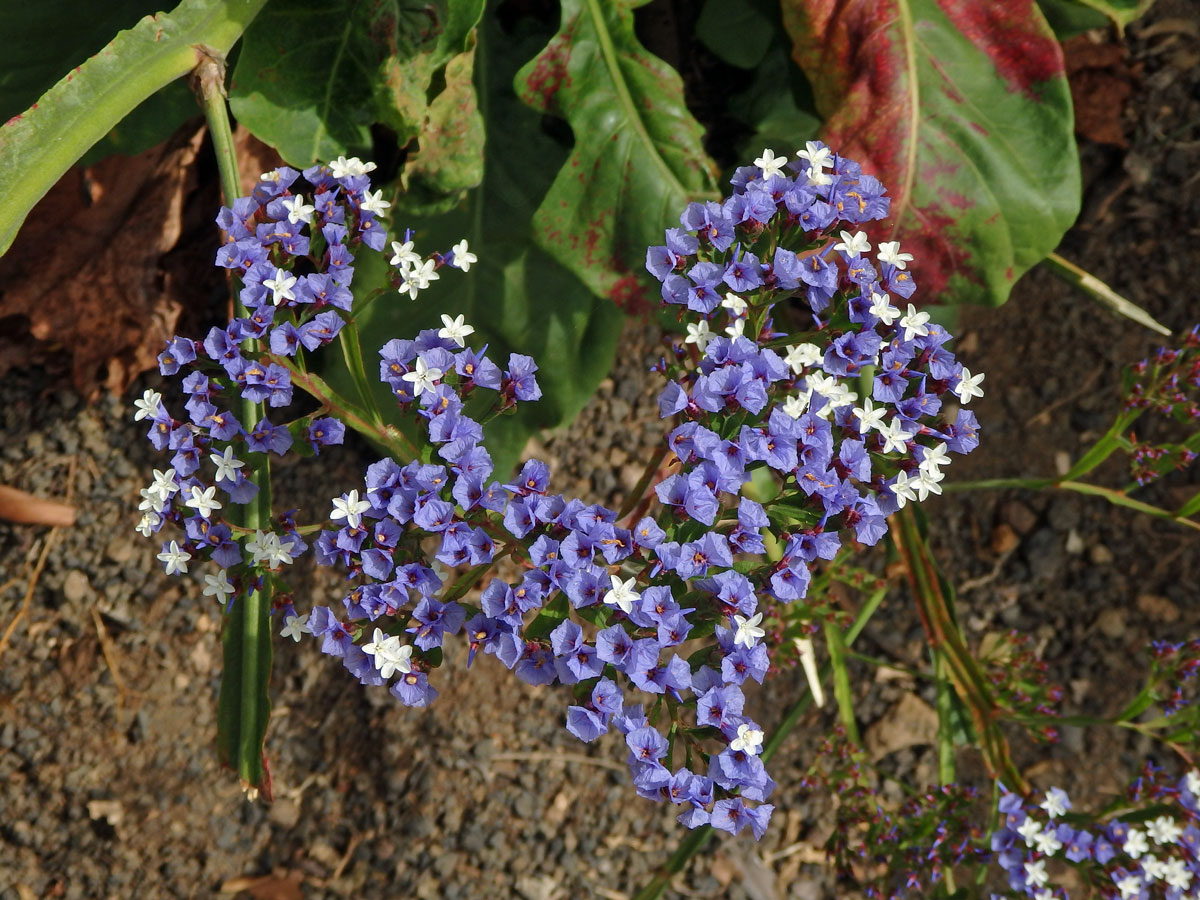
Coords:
962,109
638,157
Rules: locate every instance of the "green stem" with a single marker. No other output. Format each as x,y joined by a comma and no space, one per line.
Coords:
352,351
841,681
248,702
1098,290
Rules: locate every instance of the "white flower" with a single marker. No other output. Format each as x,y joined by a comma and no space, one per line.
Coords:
350,508
837,396
463,258
795,405
902,490
176,560
165,483
889,252
735,304
152,500
203,501
374,202
749,740
1163,830
281,286
818,157
935,457
1176,874
423,377
267,548
1044,894
218,586
894,437
1135,844
298,210
1153,868
149,521
148,406
853,245
770,163
1035,872
350,168
294,626
1047,842
1129,886
418,278
914,323
736,328
1029,830
455,329
404,256
699,334
882,309
1192,781
868,416
748,631
926,483
380,643
392,661
226,464
800,355
622,594
273,175
968,386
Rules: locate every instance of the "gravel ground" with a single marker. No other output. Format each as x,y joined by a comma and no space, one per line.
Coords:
109,786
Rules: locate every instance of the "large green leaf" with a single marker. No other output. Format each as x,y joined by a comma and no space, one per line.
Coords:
1120,12
638,157
38,146
962,109
517,297
315,75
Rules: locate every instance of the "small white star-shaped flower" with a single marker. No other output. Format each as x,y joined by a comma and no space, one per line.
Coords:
455,329
294,627
393,661
203,501
914,323
735,304
935,457
424,377
926,483
218,586
281,286
350,168
165,483
1177,875
622,594
1055,803
853,245
1029,830
770,163
404,256
1153,868
736,328
1163,830
699,333
147,405
374,202
175,559
749,740
1192,782
1035,872
799,356
817,156
868,416
894,436
882,309
350,508
1129,886
902,490
418,278
1135,843
796,404
267,548
968,385
298,211
889,252
227,465
747,632
152,500
463,258
1047,842
150,520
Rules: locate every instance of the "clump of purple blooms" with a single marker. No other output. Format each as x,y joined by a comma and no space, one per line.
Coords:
1154,855
652,621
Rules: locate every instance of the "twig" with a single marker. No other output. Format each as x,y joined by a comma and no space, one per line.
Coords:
33,580
109,651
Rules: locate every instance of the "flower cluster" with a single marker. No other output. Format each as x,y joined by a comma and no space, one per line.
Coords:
1130,860
1169,384
1019,683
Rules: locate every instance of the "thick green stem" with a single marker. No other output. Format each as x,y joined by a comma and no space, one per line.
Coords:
842,692
245,705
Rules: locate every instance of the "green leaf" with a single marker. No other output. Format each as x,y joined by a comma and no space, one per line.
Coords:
737,31
973,138
638,157
518,298
1192,506
777,105
548,618
1070,17
158,117
1119,12
314,76
38,146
